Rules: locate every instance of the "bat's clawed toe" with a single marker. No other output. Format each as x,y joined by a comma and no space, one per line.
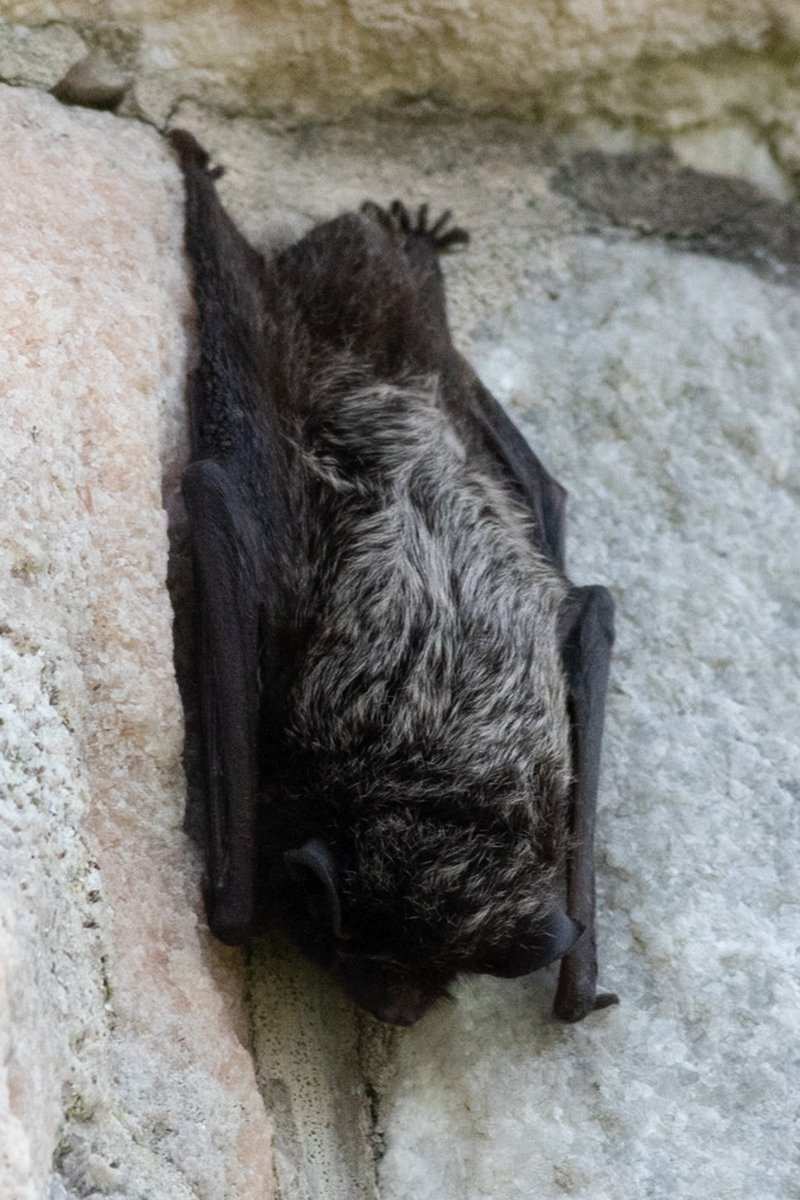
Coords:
453,237
400,216
441,233
377,214
397,219
605,1000
572,1006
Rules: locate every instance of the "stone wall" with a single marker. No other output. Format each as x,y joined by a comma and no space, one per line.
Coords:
126,1066
642,323
720,82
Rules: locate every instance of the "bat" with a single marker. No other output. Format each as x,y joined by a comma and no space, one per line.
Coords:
401,694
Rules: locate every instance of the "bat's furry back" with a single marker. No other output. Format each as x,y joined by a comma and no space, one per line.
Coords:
426,716
423,734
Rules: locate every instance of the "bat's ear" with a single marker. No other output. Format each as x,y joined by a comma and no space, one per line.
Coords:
549,940
316,857
556,937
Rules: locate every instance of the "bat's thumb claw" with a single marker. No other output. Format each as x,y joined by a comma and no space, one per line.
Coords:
605,1000
191,153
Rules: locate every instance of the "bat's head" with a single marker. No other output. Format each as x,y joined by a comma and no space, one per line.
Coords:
397,911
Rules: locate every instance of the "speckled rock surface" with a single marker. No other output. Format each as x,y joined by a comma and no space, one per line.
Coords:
125,1068
719,81
659,381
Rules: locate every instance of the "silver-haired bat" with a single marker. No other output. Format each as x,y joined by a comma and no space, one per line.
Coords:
401,692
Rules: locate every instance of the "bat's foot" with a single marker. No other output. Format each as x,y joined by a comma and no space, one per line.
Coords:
577,1007
399,221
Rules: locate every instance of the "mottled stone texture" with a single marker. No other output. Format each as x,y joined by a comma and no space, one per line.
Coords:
124,1063
719,80
643,325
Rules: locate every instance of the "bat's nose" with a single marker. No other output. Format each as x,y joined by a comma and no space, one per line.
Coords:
375,987
403,1006
391,1015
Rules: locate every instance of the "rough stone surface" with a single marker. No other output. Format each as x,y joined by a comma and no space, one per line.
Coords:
309,1043
38,56
719,80
653,194
125,1060
660,385
94,82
